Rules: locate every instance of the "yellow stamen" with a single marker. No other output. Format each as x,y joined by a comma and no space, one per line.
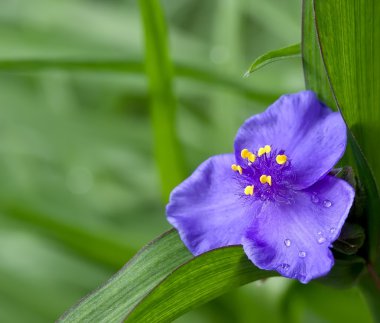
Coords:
237,168
249,190
263,150
266,179
281,159
246,154
251,157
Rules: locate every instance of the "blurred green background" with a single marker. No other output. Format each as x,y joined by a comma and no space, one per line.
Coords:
80,192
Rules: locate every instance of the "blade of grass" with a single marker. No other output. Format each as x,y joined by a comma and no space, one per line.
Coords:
314,70
189,72
292,51
355,84
163,104
163,281
98,246
112,301
196,282
333,76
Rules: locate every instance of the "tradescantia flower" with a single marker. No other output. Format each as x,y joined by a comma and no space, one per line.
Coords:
274,196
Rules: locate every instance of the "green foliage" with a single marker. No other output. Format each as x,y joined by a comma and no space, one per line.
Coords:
353,70
163,280
114,300
292,51
340,46
163,105
184,71
79,191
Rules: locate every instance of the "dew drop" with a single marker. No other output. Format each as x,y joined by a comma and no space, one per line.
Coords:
332,230
301,277
319,232
315,198
287,242
321,240
327,203
302,254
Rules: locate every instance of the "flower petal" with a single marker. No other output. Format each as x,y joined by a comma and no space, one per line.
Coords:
207,209
313,136
294,239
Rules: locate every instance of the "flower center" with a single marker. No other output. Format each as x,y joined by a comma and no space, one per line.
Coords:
266,174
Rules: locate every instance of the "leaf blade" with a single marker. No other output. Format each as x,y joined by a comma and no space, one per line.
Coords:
230,268
163,105
157,270
292,51
353,73
112,301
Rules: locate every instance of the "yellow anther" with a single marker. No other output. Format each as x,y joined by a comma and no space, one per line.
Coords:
266,179
237,168
246,154
281,159
249,190
263,150
251,157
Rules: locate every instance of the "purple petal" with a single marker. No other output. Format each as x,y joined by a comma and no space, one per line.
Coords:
313,137
294,239
207,208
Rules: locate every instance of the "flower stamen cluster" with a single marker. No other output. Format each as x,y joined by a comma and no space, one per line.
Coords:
265,174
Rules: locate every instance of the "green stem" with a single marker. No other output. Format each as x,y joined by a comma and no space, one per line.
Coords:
370,287
121,65
163,104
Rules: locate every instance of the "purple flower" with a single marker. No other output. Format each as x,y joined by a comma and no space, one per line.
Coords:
274,196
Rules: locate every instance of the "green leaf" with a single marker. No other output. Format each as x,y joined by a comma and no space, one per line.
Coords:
340,55
314,70
114,300
292,51
94,245
319,81
345,272
351,59
163,281
350,239
184,71
370,286
163,105
318,303
199,280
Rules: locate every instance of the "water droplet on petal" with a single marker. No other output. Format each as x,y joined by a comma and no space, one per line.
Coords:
287,242
327,203
302,254
321,240
315,198
332,230
319,232
301,277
